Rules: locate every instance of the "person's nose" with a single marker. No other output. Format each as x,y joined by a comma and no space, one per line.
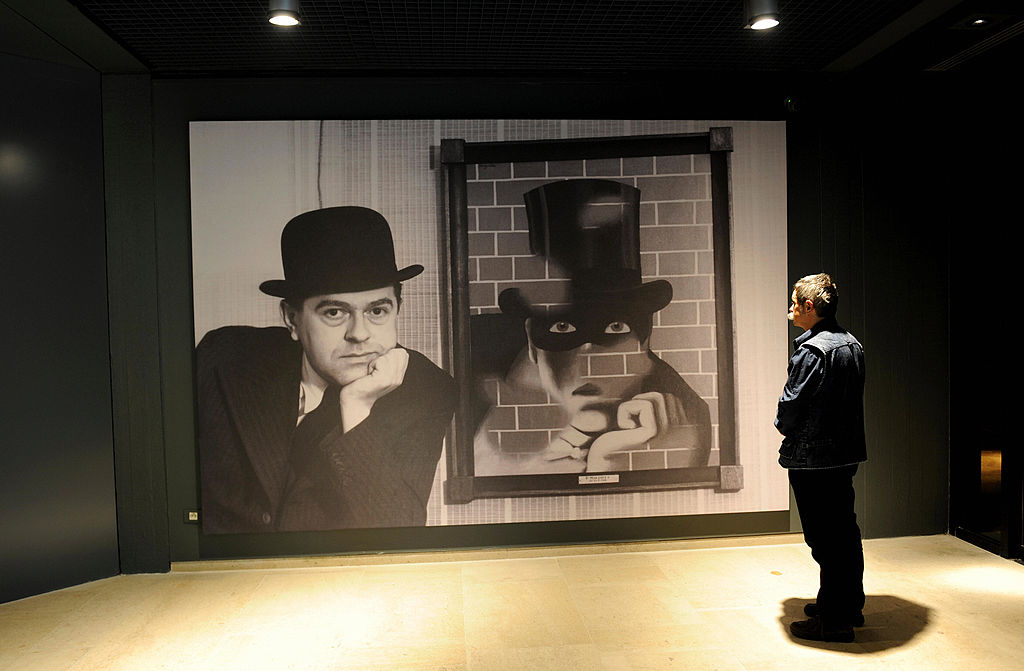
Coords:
583,359
591,358
357,330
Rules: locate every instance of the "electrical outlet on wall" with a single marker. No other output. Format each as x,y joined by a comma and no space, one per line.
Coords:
191,517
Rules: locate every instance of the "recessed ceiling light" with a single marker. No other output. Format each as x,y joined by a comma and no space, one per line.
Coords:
761,14
764,23
980,21
283,12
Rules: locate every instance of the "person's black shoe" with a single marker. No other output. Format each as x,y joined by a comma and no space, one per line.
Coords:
814,630
811,610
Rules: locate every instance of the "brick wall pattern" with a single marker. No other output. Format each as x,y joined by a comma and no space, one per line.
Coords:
676,245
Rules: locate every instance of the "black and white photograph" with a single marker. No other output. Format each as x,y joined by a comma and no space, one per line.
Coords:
540,328
326,422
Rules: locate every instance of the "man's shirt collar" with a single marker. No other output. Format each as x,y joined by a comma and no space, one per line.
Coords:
311,390
826,324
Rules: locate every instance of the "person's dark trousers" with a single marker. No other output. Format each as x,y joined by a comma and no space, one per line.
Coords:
824,498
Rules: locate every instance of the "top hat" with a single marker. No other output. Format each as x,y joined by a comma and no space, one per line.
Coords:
592,228
337,250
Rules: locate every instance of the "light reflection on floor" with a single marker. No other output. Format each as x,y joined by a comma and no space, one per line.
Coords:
934,602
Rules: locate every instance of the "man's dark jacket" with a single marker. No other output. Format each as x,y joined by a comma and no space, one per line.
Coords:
260,473
821,411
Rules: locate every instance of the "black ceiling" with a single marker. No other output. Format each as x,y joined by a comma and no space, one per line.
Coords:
201,37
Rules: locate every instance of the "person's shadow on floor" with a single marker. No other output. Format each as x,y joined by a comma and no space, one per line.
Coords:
889,622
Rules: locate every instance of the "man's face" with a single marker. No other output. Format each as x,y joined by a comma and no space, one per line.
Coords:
799,314
342,334
589,361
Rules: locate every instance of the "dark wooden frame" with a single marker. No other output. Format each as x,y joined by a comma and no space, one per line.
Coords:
462,485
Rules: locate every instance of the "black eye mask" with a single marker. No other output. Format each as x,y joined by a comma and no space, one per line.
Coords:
569,330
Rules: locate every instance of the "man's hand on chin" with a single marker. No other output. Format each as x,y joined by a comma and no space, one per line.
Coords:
384,375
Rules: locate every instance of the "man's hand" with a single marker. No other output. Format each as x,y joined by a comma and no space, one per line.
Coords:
384,375
639,420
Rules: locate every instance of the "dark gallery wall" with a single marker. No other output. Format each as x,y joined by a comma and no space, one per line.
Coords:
908,190
57,509
869,197
864,187
135,366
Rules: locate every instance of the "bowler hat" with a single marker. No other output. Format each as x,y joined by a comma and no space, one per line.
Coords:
591,227
337,250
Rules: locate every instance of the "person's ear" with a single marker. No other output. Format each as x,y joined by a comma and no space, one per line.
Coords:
288,316
530,347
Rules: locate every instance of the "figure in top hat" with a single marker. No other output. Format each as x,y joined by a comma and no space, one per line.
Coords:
327,422
590,352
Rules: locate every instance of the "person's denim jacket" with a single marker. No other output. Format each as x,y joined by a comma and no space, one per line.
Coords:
821,410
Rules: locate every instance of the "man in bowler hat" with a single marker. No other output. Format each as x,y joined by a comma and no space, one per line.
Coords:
327,422
590,228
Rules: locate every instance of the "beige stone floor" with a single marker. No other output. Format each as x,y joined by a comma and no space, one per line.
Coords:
933,603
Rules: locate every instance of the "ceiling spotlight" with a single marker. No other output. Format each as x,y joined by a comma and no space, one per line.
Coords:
283,12
761,14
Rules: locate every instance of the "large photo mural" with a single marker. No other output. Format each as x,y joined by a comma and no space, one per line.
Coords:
425,322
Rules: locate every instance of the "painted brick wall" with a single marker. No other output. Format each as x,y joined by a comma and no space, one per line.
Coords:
676,245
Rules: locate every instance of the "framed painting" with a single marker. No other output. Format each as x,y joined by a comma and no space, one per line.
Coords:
591,315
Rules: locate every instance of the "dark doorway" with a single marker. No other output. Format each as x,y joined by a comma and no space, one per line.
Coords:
986,501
